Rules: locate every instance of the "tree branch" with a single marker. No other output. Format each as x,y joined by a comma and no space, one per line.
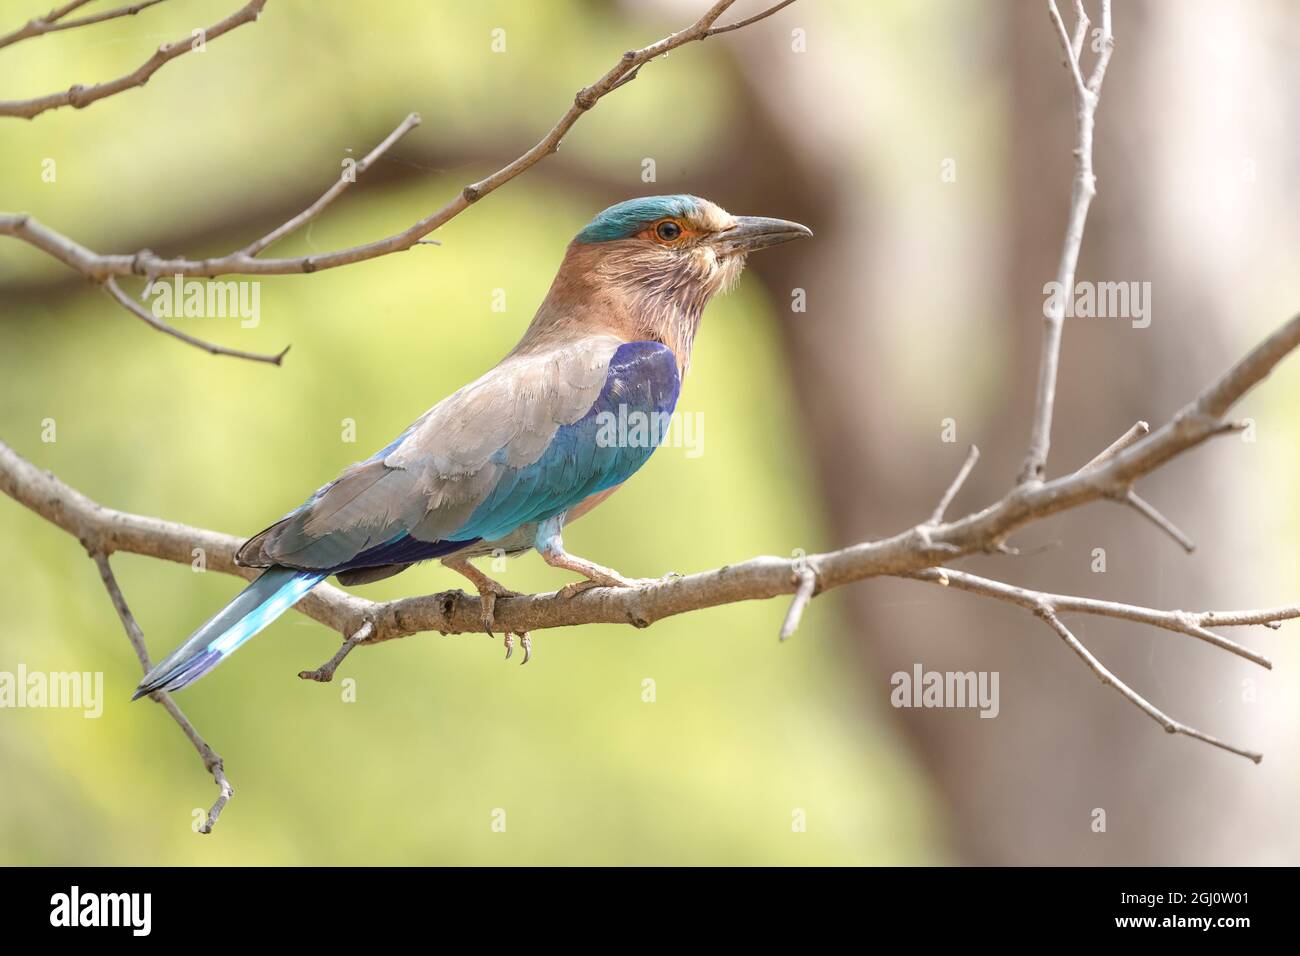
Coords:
1139,430
325,673
53,21
1086,97
140,312
100,267
79,96
38,25
911,550
1152,514
342,183
1106,677
211,760
963,473
741,24
907,553
104,268
1193,624
1049,606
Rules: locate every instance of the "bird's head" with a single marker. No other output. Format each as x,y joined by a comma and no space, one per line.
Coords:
682,239
657,260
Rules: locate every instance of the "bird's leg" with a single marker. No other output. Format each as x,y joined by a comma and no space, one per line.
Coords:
488,592
551,547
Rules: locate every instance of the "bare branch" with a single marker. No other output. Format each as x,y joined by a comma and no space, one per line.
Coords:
53,21
1139,430
1086,97
740,24
1149,511
104,268
912,550
100,267
140,312
963,473
1081,24
77,256
342,183
325,673
212,762
807,578
1107,48
1048,606
1106,677
1193,624
1071,56
79,96
36,25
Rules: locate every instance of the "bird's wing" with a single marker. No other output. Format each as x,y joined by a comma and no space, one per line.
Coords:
520,444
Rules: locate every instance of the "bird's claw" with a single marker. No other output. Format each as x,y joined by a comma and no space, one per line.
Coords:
525,641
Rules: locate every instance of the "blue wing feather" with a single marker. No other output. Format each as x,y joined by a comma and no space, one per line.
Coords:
642,385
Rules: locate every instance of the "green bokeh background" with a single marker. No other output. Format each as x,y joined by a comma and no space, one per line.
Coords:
743,732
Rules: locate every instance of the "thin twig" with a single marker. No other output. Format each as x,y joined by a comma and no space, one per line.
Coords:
1139,430
34,26
146,316
1149,511
79,96
807,578
1071,56
325,673
963,473
1048,606
212,761
1081,24
1107,48
1106,677
1086,97
1131,497
52,23
1192,624
748,20
342,183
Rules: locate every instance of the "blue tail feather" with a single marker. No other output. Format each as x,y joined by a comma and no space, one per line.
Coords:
277,590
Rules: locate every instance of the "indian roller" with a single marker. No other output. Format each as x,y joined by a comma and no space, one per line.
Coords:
501,465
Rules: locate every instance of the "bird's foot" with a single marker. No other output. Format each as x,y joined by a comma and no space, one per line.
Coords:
603,578
488,591
488,596
525,641
551,548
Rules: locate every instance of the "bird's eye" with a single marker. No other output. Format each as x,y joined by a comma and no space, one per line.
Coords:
668,231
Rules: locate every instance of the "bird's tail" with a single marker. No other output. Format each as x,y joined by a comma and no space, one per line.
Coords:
277,590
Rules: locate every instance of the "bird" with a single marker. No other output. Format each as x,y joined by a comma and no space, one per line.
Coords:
505,462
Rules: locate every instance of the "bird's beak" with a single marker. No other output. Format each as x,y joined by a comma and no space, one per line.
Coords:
757,232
